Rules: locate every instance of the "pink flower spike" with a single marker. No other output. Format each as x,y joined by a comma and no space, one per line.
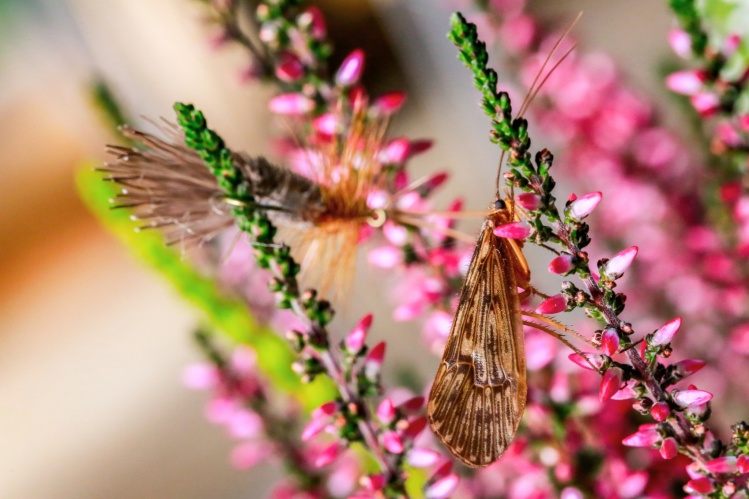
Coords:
328,455
373,361
610,384
386,411
610,341
291,104
691,398
422,458
513,230
660,411
620,262
688,367
725,464
669,448
664,334
742,464
442,488
681,43
594,358
390,102
552,305
351,69
562,264
702,485
646,436
687,82
528,200
584,205
705,103
392,442
373,483
357,336
326,124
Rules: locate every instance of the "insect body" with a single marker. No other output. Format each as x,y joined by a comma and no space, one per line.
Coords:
479,392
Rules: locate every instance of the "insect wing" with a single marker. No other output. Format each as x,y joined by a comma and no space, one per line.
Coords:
478,395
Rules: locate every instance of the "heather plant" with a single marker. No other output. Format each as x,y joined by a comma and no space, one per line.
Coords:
346,187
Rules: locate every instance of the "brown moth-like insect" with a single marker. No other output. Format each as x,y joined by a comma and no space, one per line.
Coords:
478,395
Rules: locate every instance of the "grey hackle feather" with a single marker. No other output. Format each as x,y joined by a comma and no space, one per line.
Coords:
169,187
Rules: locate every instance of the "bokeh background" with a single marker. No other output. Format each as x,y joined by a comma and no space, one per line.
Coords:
92,344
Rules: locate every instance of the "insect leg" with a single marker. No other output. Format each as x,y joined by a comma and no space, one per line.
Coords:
561,338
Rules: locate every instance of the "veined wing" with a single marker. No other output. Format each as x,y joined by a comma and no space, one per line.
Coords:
478,395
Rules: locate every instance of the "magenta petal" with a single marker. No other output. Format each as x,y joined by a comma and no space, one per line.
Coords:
620,262
681,43
357,336
594,358
442,488
689,366
386,411
664,334
660,411
327,409
742,464
725,464
561,264
528,200
422,458
390,102
392,442
610,341
351,69
702,485
669,448
647,436
385,257
328,455
326,124
705,103
373,482
685,82
584,205
513,230
610,384
313,428
552,305
691,398
291,104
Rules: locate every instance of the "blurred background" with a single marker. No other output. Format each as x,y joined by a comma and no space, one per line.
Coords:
91,344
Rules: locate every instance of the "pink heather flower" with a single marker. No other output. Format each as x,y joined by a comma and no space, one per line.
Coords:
396,151
408,311
442,488
528,200
373,483
742,464
357,336
584,205
244,424
328,455
610,384
625,392
386,411
562,264
373,361
351,69
513,230
705,103
660,411
326,124
422,458
687,82
540,349
610,341
314,19
665,334
392,442
291,104
220,410
200,376
571,493
725,464
669,448
594,358
689,366
620,262
681,43
702,485
646,436
248,454
385,257
395,233
290,69
691,398
389,103
552,305
415,426
314,428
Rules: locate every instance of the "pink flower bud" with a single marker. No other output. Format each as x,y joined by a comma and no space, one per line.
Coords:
244,424
351,69
646,436
328,455
327,409
357,336
584,205
669,448
386,411
561,264
422,458
610,384
313,18
392,442
705,103
200,376
395,233
441,472
725,464
571,493
742,464
681,43
688,367
552,305
389,103
702,485
660,411
687,82
528,200
373,483
592,358
691,398
419,146
666,332
248,454
291,104
513,230
442,488
610,341
290,69
620,262
396,151
436,180
313,428
326,124
373,361
731,44
415,426
385,257
412,405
